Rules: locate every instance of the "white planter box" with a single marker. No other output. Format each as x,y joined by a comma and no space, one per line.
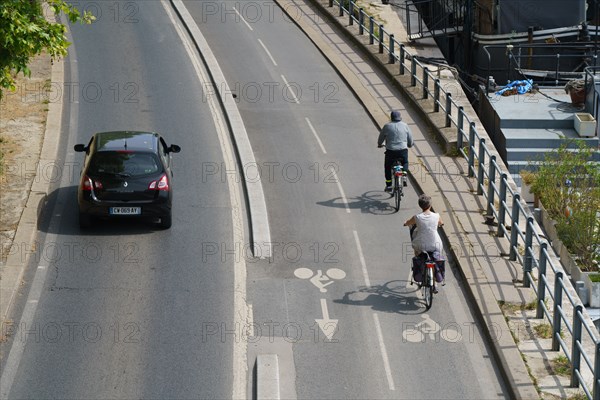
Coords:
585,124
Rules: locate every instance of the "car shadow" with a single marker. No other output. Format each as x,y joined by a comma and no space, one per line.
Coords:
374,202
63,203
396,296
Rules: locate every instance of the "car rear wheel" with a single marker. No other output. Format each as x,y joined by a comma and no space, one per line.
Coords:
165,221
85,220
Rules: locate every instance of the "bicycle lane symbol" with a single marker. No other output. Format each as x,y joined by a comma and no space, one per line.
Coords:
319,279
430,330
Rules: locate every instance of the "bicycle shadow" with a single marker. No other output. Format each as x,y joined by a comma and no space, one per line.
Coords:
391,297
372,202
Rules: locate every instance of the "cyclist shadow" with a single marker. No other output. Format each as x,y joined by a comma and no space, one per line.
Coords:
392,297
372,202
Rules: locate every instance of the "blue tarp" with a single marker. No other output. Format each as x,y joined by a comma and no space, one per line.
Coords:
520,87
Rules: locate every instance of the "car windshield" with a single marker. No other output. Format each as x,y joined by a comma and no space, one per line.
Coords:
124,163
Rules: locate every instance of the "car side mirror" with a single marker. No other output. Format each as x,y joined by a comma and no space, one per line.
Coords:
174,148
79,148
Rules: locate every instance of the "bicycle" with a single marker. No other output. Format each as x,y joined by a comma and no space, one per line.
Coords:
398,175
428,279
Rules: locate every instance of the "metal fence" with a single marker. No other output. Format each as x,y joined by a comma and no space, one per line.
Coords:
510,213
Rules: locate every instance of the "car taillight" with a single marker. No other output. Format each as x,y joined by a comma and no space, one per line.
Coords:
88,182
161,184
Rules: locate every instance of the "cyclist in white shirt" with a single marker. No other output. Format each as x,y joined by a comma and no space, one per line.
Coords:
426,237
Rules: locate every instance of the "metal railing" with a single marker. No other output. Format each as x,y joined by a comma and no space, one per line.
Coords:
493,184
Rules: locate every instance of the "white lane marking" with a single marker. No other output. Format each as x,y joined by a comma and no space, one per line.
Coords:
362,260
288,86
386,362
327,325
267,51
240,308
250,321
316,135
19,342
243,19
341,189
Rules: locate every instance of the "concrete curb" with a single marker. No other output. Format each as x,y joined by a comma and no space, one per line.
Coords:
505,349
267,377
12,272
259,218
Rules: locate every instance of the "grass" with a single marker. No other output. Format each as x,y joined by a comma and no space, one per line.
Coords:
2,141
561,366
543,330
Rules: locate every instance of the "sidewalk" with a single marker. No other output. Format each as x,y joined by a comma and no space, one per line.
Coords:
492,279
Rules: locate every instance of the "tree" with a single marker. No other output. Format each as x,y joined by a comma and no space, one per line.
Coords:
25,32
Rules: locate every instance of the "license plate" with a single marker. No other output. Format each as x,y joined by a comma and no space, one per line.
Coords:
125,210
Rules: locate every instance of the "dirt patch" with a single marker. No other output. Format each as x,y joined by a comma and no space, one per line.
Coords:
23,116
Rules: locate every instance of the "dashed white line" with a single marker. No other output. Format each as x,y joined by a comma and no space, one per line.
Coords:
267,51
243,19
386,362
362,260
287,85
316,135
340,188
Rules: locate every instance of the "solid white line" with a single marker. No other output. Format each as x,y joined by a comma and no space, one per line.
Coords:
316,136
362,260
287,85
386,362
267,51
324,309
341,189
246,22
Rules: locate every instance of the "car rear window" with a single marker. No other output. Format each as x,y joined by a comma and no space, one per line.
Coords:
130,164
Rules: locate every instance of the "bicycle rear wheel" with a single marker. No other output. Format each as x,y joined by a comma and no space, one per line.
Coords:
397,192
428,290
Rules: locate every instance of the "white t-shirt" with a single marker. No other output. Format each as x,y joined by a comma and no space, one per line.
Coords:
426,237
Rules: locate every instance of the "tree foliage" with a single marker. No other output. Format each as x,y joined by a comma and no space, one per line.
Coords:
25,32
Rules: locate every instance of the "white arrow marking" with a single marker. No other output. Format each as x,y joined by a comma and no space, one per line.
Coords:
327,325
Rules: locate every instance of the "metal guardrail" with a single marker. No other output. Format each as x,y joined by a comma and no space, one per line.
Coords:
492,182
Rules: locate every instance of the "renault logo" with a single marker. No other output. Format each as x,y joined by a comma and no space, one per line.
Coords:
124,184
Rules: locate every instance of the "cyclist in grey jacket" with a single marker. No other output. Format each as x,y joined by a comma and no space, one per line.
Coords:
398,138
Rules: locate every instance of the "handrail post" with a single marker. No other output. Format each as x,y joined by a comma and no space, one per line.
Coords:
341,8
350,13
471,149
575,352
371,30
391,56
490,192
380,39
502,208
425,82
331,3
539,313
480,173
556,323
402,57
596,389
436,95
448,110
514,237
528,262
460,124
361,21
413,71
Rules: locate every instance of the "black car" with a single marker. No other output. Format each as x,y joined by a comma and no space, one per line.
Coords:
126,174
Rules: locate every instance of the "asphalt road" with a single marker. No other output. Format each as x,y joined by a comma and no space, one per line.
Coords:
128,311
322,175
121,309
